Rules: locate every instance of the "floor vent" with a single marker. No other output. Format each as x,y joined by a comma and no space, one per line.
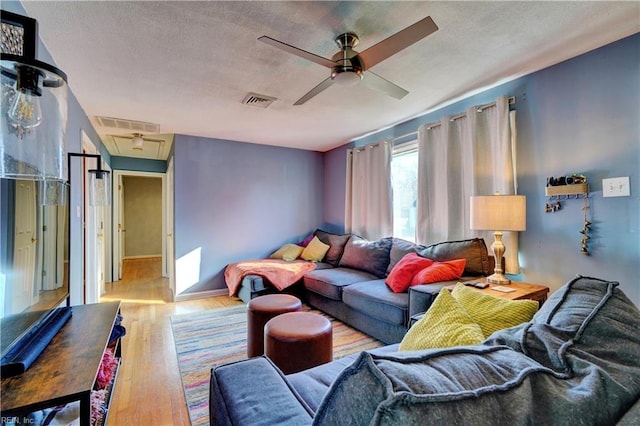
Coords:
133,126
261,101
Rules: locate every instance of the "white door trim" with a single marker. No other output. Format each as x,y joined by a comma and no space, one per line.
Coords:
170,250
118,211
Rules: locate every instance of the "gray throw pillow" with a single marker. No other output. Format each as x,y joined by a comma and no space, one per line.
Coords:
399,249
474,250
336,245
368,256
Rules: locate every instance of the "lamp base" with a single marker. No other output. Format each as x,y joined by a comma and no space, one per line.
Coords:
498,278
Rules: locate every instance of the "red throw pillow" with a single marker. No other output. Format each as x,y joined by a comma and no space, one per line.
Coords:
400,276
440,271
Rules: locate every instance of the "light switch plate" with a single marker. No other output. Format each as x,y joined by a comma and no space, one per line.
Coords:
616,187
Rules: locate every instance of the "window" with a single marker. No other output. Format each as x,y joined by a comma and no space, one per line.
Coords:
404,182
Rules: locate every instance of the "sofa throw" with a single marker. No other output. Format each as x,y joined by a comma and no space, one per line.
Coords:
280,273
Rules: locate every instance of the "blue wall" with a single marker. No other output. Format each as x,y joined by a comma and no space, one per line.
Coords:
237,201
138,164
578,116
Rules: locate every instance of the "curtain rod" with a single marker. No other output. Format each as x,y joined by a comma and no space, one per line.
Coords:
510,101
405,135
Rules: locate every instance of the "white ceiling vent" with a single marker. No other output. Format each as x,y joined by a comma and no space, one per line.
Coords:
134,126
261,101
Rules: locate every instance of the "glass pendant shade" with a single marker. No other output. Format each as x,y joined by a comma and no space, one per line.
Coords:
53,193
99,187
34,120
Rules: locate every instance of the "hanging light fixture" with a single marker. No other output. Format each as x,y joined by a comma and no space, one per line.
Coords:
99,180
33,106
137,142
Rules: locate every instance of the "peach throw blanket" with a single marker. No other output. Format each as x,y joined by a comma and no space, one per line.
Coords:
278,272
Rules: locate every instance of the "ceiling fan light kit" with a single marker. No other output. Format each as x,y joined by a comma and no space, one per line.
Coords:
137,142
348,67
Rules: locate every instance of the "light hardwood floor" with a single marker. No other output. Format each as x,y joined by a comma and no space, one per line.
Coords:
149,389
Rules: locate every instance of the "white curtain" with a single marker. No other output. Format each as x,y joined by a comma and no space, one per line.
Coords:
368,211
469,154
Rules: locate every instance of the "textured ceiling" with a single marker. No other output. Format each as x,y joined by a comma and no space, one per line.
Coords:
187,66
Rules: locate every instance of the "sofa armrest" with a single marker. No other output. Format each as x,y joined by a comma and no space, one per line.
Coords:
422,296
252,392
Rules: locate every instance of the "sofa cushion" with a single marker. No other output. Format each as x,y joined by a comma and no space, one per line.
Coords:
315,250
374,299
400,248
369,256
445,324
231,393
588,315
330,282
313,384
462,385
287,252
439,272
494,313
336,245
402,273
474,250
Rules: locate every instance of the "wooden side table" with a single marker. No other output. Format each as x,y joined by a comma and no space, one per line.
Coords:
521,291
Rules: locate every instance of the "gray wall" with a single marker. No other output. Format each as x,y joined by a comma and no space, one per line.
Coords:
142,216
237,201
578,116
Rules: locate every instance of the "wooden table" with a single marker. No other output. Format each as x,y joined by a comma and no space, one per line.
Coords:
523,290
66,370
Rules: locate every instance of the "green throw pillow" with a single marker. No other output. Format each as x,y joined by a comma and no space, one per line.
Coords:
493,313
445,324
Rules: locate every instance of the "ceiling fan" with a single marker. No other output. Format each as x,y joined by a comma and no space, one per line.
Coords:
137,140
348,67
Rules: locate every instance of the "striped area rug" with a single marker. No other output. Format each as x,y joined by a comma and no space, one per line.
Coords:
205,339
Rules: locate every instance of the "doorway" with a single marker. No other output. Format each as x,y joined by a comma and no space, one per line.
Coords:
140,219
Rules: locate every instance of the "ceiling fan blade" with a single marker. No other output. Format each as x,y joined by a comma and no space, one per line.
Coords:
395,43
376,82
319,88
298,52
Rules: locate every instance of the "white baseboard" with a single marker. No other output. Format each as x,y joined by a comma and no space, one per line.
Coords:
202,294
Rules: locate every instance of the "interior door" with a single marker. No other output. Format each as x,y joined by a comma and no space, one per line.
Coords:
24,255
121,231
170,253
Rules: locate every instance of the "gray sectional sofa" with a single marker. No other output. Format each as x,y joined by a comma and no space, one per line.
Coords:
575,362
350,282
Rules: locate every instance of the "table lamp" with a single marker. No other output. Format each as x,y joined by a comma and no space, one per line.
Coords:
498,213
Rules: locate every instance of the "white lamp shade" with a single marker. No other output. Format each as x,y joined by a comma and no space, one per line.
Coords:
137,143
498,212
347,78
